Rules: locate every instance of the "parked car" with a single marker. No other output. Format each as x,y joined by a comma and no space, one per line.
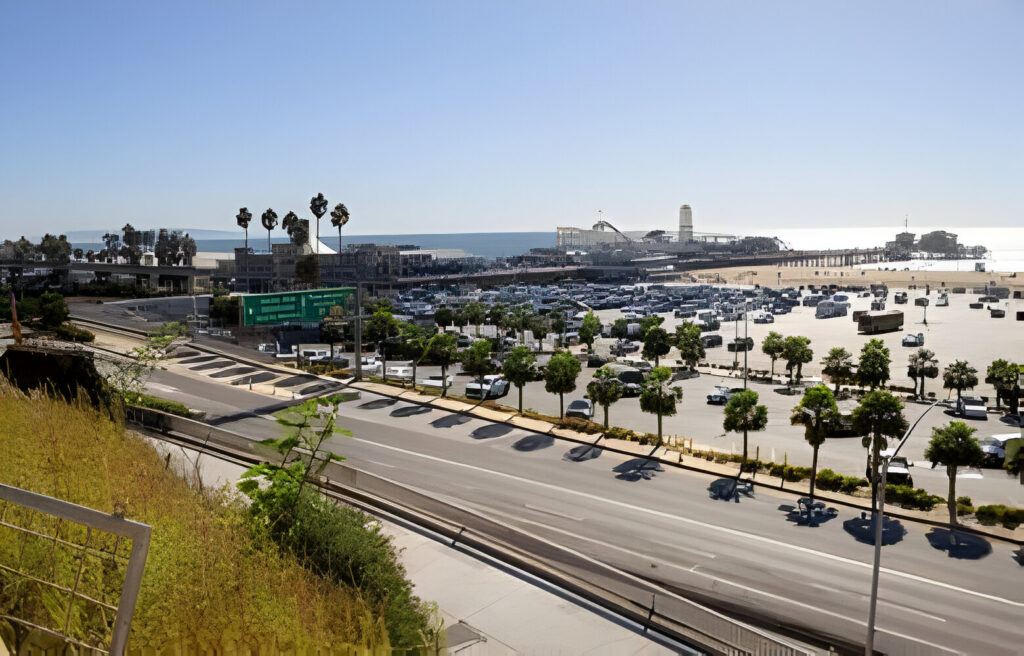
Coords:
711,341
740,344
581,408
400,372
900,298
436,381
624,346
994,448
914,340
899,470
596,361
971,407
494,387
722,394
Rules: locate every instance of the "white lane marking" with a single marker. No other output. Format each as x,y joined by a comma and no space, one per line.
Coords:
382,464
605,544
694,522
819,609
552,512
859,595
160,387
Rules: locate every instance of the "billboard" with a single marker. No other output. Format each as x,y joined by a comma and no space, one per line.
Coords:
309,306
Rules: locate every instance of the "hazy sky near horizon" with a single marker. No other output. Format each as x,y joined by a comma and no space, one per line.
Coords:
474,115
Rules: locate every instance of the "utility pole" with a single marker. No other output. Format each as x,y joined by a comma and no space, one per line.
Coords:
357,350
746,346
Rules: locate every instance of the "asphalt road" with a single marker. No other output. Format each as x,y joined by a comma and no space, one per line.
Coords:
664,525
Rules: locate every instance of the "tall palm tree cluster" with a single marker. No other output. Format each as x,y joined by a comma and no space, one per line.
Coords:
296,227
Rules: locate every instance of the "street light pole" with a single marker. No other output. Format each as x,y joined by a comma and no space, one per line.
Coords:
869,644
746,346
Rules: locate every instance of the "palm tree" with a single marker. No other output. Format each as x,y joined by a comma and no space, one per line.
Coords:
742,415
604,390
658,396
921,365
269,221
878,418
339,217
838,365
243,218
318,206
959,376
954,446
290,223
815,410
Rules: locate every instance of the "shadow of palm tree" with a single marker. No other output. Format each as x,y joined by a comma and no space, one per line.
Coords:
728,489
377,404
448,421
188,353
1010,420
1018,555
234,371
965,546
863,530
491,430
314,389
201,358
794,515
410,411
582,452
636,469
534,443
255,378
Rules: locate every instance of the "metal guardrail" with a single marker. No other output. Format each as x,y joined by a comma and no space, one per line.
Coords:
630,596
94,521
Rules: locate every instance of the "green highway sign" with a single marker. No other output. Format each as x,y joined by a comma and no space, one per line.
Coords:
308,306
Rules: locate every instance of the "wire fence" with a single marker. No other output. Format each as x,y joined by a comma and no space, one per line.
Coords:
69,575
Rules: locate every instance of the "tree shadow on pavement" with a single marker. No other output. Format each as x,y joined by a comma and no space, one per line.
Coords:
201,358
534,443
1010,420
863,530
966,546
794,515
410,410
638,468
490,430
448,421
377,404
1018,555
582,452
728,489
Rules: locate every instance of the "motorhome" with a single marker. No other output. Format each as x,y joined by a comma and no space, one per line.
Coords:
885,321
831,309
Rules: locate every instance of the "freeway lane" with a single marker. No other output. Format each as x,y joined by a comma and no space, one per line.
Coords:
668,529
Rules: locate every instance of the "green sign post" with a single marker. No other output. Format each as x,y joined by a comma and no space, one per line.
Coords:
309,306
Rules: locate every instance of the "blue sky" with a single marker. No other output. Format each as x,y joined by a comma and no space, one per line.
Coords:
470,116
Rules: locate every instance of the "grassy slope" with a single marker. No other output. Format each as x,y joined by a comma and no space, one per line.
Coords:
206,576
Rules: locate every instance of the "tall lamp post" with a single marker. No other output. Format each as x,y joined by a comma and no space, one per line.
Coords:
869,644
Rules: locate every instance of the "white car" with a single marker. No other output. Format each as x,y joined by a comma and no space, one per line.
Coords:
494,387
437,381
400,372
994,448
971,407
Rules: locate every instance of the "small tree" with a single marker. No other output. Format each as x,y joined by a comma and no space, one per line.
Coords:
838,366
658,397
476,361
652,321
590,329
687,340
878,418
1004,376
743,414
605,389
620,329
519,369
959,376
954,446
475,313
381,327
873,368
921,365
773,346
443,350
414,341
443,317
656,344
796,351
560,377
815,411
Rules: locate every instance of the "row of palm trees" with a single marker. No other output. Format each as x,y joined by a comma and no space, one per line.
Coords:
317,205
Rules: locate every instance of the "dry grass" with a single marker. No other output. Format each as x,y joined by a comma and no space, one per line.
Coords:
207,577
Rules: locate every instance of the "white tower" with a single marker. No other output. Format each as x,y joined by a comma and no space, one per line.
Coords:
685,224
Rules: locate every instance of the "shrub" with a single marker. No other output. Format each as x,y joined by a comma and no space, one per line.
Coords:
147,401
790,473
1009,517
831,481
70,333
909,497
626,434
581,425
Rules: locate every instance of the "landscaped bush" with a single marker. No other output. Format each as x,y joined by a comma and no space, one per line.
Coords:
964,506
1009,517
625,434
147,401
70,333
791,473
581,425
909,497
831,481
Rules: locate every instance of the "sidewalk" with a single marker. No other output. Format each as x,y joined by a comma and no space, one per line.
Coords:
487,609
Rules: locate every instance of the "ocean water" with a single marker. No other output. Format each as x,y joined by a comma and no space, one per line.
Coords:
481,244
